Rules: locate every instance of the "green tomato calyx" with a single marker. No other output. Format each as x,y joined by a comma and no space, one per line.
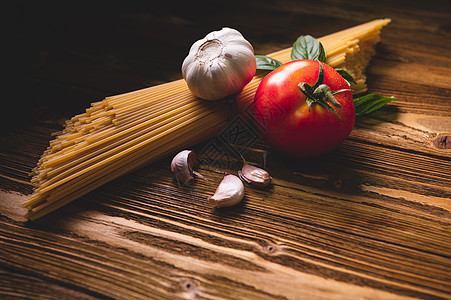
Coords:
320,93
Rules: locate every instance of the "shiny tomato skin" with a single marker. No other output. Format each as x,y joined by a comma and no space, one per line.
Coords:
284,119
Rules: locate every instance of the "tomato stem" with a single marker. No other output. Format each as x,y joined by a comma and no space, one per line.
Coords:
320,93
320,79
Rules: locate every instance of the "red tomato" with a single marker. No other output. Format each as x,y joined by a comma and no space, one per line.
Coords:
286,121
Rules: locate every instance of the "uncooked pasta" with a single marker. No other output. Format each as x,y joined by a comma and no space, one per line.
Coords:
122,133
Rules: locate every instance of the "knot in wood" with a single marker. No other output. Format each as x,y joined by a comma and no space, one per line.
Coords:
442,142
187,284
271,249
338,183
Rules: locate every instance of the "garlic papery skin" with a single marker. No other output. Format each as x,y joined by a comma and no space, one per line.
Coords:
255,176
229,192
182,166
219,65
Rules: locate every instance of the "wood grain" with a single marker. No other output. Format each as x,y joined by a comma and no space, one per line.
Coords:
371,220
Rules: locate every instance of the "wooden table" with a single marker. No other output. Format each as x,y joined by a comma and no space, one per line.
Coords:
371,220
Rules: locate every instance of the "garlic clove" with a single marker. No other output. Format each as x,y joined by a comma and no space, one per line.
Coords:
255,176
182,166
229,192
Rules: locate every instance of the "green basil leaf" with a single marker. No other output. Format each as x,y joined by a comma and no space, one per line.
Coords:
369,103
345,75
266,63
322,53
307,47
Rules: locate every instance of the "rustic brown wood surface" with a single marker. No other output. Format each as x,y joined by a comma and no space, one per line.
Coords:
371,220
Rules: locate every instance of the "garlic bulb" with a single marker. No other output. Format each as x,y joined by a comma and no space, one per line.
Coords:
219,65
229,192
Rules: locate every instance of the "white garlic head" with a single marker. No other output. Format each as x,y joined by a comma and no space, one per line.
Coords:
219,65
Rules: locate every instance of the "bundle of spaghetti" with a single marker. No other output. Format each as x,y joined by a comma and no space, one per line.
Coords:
124,132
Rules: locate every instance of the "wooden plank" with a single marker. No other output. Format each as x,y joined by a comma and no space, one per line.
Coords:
371,220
